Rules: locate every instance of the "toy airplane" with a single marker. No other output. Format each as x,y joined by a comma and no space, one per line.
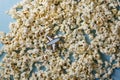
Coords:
52,42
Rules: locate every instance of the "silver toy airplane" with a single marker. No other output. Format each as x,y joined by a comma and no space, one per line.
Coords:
52,42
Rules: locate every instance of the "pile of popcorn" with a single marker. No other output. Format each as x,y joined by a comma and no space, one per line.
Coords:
89,30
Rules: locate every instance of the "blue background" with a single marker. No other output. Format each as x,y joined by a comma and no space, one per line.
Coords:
5,19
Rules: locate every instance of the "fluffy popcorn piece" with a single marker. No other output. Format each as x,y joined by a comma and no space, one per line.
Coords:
2,34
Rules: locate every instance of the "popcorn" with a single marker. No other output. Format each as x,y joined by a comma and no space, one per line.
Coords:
26,43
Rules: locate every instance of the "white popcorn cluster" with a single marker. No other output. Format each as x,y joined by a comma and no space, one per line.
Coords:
89,29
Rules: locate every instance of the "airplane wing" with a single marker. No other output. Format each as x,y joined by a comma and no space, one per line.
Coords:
53,47
50,39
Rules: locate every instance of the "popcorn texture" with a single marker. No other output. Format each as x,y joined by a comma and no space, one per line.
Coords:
88,30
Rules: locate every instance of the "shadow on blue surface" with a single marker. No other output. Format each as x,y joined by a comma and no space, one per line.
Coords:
116,74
